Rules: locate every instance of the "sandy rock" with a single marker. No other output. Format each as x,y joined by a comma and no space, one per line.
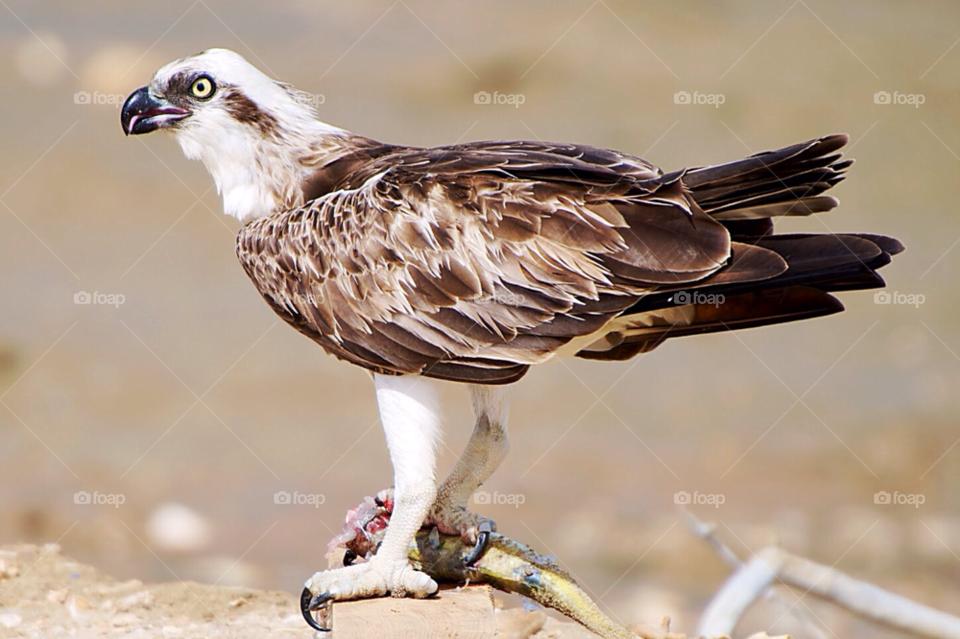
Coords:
142,599
124,619
10,620
58,596
77,606
228,571
517,623
8,569
177,528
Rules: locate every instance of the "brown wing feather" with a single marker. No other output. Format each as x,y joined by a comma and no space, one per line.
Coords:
472,262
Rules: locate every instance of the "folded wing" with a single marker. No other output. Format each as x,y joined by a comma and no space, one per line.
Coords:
472,263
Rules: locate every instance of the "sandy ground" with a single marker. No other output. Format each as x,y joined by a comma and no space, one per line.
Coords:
48,594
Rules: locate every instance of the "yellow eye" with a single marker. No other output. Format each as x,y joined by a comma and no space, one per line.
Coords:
203,87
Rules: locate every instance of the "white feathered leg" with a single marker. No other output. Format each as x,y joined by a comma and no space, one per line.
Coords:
487,448
409,413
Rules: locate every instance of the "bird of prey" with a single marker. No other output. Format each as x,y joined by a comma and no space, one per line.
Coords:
473,262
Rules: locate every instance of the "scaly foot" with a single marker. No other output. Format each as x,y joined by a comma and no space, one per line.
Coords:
374,578
457,520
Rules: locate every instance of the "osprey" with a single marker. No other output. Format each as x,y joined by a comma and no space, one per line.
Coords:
473,262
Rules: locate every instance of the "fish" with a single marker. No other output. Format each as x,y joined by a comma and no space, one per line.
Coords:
505,564
511,566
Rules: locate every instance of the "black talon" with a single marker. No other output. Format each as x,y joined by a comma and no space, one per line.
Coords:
309,603
320,601
478,550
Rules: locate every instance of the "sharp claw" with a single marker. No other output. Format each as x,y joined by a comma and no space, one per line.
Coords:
349,557
482,538
320,601
308,603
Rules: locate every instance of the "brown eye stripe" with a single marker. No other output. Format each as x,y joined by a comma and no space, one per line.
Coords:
245,110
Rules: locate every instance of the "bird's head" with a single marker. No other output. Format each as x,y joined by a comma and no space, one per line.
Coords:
250,131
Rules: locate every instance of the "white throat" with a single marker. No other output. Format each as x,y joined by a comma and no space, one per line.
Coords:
256,175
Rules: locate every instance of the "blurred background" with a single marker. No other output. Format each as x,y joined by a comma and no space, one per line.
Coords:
184,395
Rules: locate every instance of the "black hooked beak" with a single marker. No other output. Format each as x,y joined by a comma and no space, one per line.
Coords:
143,113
